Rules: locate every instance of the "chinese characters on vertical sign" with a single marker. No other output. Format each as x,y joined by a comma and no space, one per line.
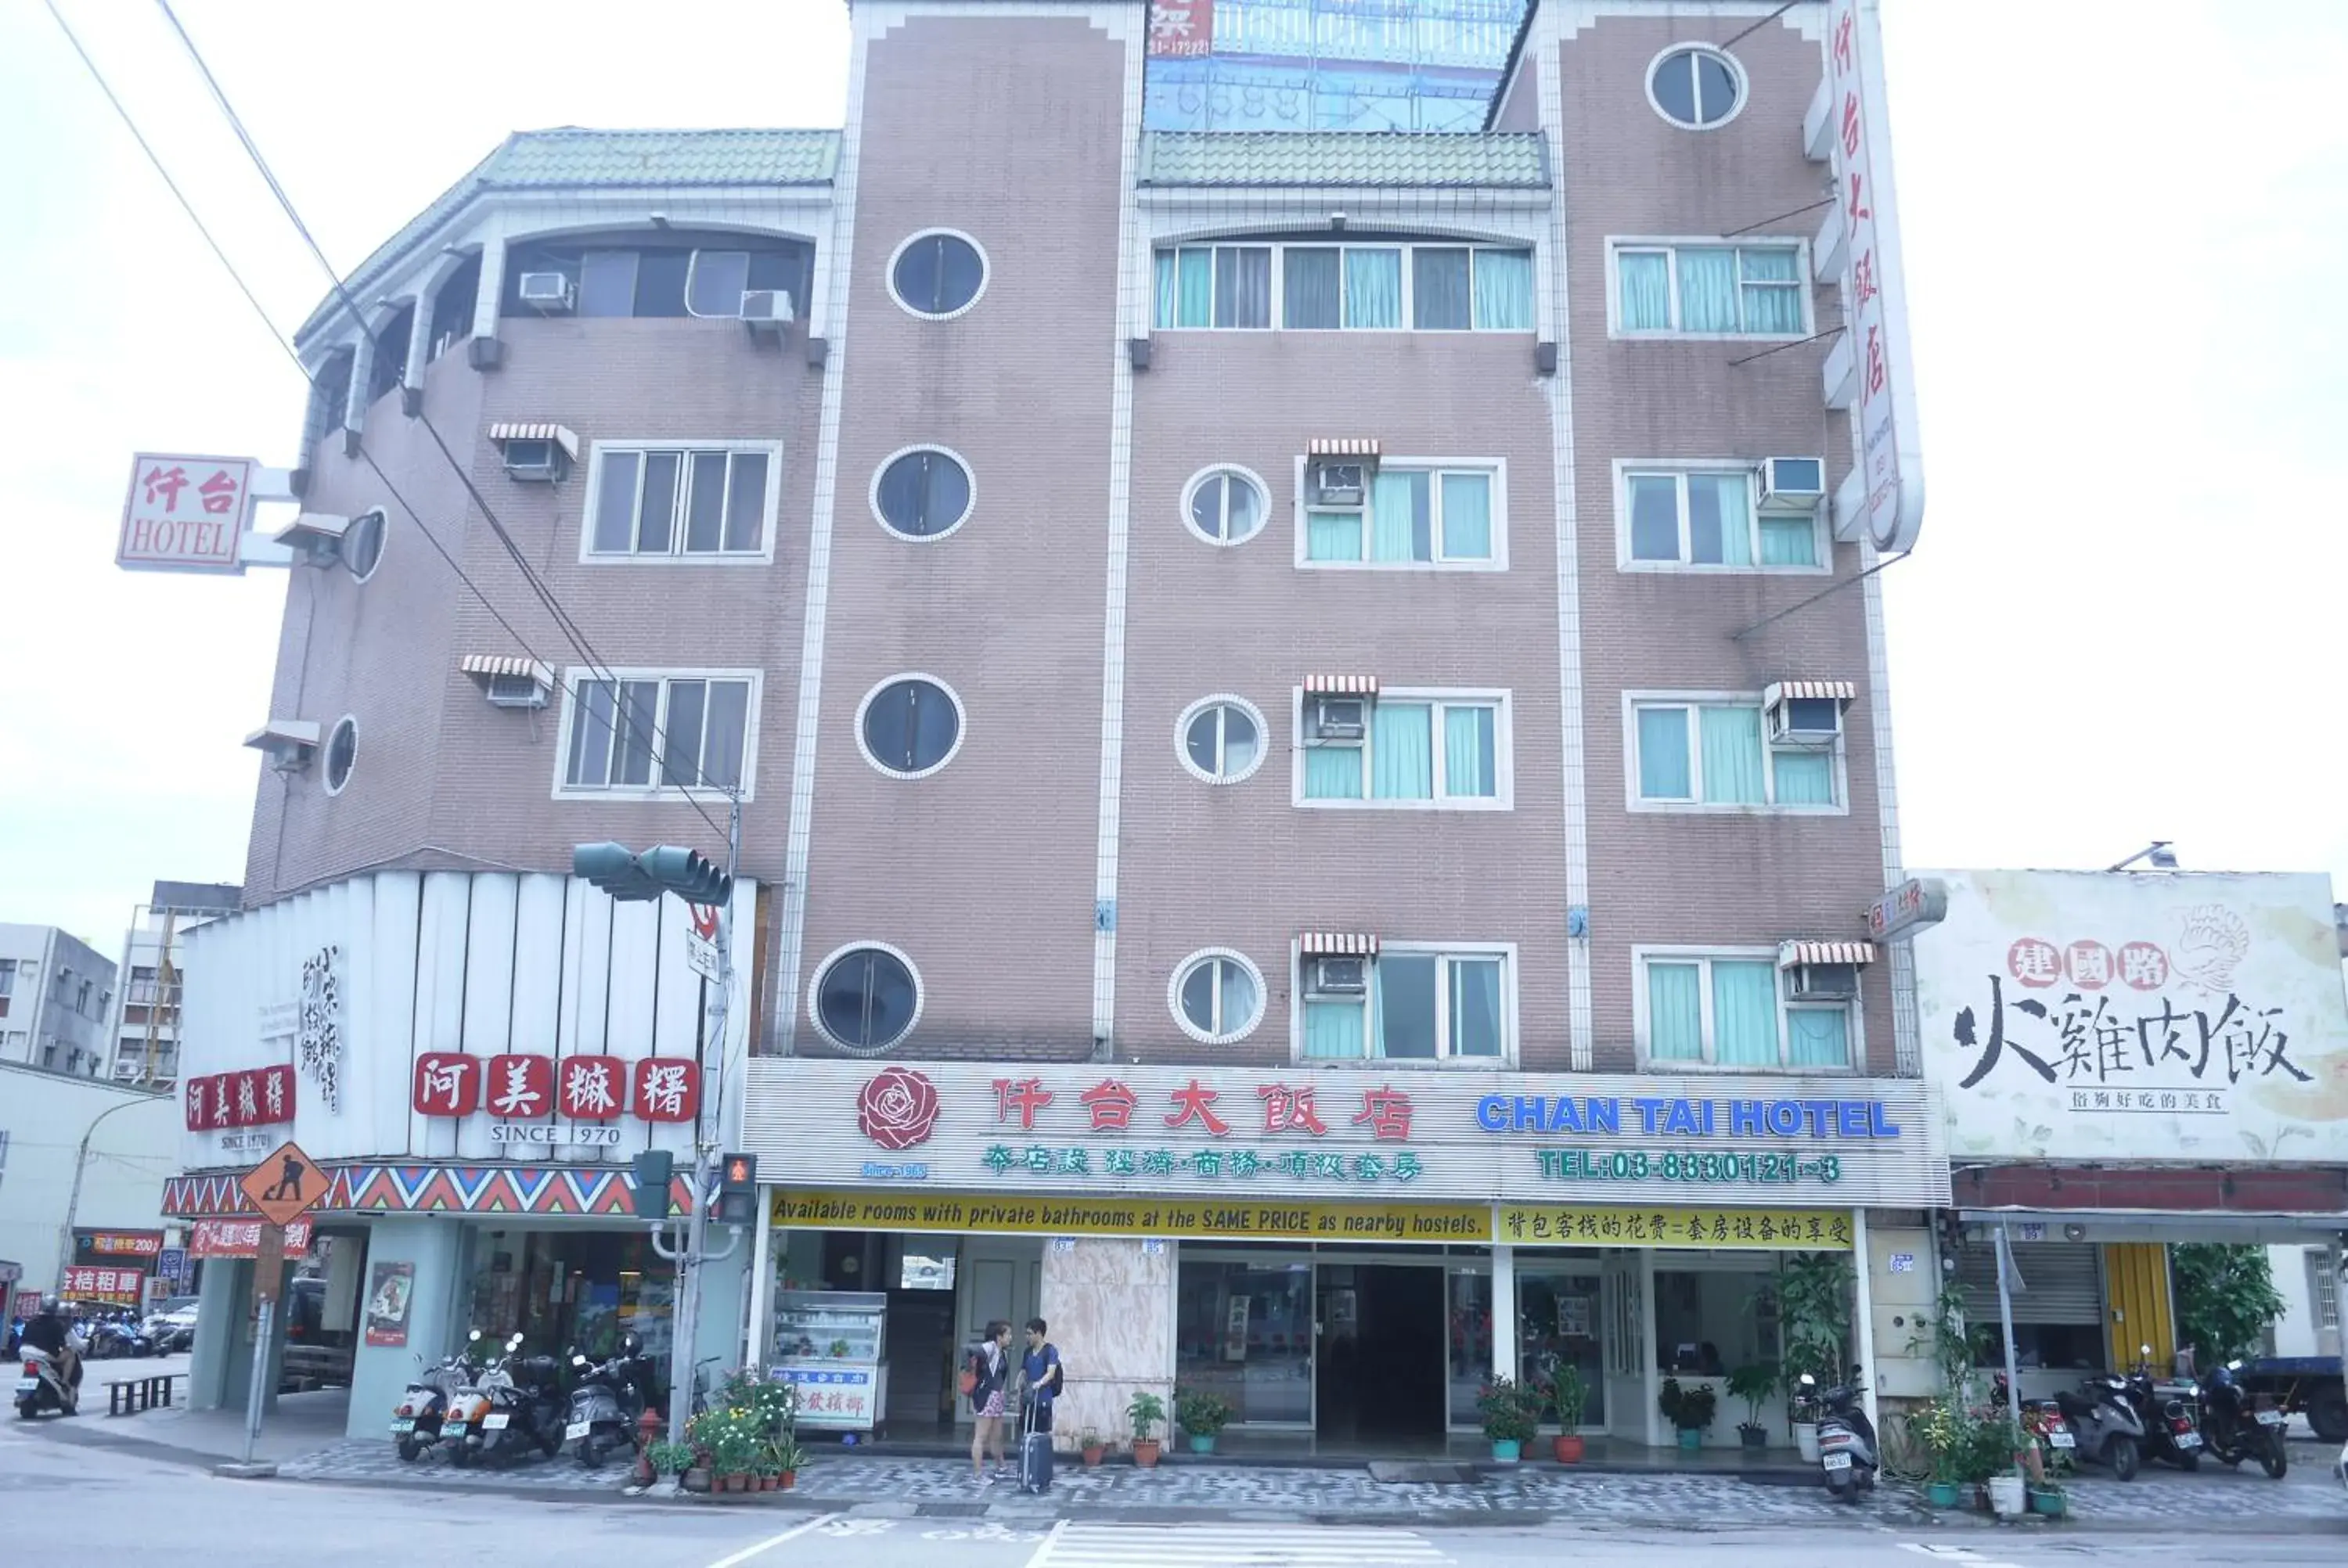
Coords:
185,514
1181,29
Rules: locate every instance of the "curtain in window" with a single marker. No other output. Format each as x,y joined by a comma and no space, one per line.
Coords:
1654,518
1805,778
1309,297
1164,314
1731,756
1469,765
1333,1030
1789,541
1440,292
1396,517
1663,772
1402,752
1707,290
1675,1012
1468,516
1817,1037
1646,279
1408,1026
1243,286
1475,1007
1745,1014
1374,288
1333,536
1504,290
1197,303
1773,290
1720,519
1333,773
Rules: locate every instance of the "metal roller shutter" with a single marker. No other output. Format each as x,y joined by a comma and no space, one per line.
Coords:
2062,1282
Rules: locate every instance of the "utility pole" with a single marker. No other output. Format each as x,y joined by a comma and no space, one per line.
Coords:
81,1162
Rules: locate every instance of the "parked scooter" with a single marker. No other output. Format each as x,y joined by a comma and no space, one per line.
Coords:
119,1336
2172,1433
2235,1428
1847,1446
513,1406
2110,1431
416,1422
2041,1421
606,1401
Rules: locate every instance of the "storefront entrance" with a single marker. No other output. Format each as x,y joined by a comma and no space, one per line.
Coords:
1381,1370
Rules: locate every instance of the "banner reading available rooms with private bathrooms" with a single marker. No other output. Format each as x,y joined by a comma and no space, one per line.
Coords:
1269,1137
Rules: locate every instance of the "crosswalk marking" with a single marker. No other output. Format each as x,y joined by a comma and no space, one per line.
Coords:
1074,1545
1965,1557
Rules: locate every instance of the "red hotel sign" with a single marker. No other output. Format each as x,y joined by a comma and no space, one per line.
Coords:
186,514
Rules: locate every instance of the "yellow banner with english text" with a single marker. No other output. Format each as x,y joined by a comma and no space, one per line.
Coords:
1185,1218
1576,1224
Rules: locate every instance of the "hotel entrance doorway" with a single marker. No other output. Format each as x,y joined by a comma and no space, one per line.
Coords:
1379,1376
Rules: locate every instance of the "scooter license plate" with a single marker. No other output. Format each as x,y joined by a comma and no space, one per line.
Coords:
2270,1418
2062,1441
27,1385
405,1424
1836,1461
2189,1439
452,1429
494,1423
575,1431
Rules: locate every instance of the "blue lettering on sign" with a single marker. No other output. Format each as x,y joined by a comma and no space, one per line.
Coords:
1680,1117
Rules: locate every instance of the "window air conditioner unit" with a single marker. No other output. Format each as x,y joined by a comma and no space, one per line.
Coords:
1822,982
1806,722
1339,484
535,461
515,692
1340,718
1337,977
1792,483
315,538
766,307
549,292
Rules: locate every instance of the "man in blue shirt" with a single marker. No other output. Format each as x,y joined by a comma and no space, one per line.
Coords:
1040,1369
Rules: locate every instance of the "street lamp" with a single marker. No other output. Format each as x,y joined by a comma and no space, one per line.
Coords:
2162,857
81,1162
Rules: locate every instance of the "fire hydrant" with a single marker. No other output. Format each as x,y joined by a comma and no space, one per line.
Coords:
648,1431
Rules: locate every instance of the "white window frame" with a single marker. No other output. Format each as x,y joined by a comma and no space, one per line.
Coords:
1212,955
1233,471
1222,700
1494,468
1681,469
574,679
1742,84
1510,1049
1643,1027
676,554
815,997
985,272
1632,701
1503,783
1407,310
1803,284
326,755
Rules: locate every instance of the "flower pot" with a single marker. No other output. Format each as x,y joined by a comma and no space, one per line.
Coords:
2046,1501
1145,1453
788,1480
1569,1446
1092,1456
1691,1438
2006,1496
1753,1437
1943,1494
1507,1451
738,1482
1806,1438
696,1479
1202,1443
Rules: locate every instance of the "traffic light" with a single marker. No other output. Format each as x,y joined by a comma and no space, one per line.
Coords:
738,1191
653,1168
616,869
687,872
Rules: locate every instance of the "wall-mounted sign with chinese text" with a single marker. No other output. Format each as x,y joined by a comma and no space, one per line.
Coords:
1792,1230
141,1249
2077,1015
1307,1134
186,514
88,1283
1181,29
522,1094
232,1105
242,1238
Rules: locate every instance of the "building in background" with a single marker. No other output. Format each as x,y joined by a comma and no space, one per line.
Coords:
131,1148
57,995
1326,65
145,1035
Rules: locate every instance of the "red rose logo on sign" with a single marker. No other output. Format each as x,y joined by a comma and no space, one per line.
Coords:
897,1108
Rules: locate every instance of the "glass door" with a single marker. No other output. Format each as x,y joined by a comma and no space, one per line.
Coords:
1559,1322
1243,1330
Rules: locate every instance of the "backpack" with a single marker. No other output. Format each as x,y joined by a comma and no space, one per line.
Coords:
966,1380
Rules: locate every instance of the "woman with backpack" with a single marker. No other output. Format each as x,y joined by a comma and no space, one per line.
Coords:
984,1377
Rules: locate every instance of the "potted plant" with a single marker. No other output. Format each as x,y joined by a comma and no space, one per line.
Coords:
1813,1291
1511,1417
2047,1498
1567,1391
1201,1415
1145,1411
1689,1410
1753,1384
1094,1449
670,1459
789,1459
1945,1429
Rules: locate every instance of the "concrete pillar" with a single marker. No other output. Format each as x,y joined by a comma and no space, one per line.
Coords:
232,1365
433,1248
1111,1307
226,1283
1504,1311
718,1330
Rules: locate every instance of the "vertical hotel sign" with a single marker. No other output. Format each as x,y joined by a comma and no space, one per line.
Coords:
1181,28
1891,508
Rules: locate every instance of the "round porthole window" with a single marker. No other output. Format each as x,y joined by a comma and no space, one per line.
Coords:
939,273
911,726
1222,739
1695,87
922,493
1225,506
1218,995
363,544
342,754
866,999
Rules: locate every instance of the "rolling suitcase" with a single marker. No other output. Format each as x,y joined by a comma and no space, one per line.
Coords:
1034,1452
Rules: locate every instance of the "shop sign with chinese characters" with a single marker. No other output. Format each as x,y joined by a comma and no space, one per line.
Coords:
1280,1137
978,1214
522,1094
186,514
2158,1016
831,1396
1181,29
231,1103
102,1247
1789,1229
242,1238
97,1282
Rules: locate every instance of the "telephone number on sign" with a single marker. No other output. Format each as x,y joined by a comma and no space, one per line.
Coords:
1711,1168
531,1132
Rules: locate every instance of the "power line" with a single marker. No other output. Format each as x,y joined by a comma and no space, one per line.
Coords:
569,689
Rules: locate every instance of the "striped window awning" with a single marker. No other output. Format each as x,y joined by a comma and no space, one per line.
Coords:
487,664
1341,686
1337,945
1790,954
516,430
1342,447
1810,690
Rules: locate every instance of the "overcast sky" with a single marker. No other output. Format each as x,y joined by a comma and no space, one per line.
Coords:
2127,228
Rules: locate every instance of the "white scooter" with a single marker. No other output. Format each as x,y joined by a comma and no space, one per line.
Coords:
44,1385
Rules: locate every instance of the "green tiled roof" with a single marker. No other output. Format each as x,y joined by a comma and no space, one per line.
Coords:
570,159
1510,159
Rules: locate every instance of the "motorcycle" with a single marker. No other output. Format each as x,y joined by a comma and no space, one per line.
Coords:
416,1422
41,1386
118,1337
1847,1446
605,1401
2042,1422
2109,1430
515,1404
2234,1427
2171,1431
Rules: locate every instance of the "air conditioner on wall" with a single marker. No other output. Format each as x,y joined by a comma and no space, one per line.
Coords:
1822,982
1340,718
1339,484
548,291
767,305
515,692
1792,483
535,461
1805,722
1336,976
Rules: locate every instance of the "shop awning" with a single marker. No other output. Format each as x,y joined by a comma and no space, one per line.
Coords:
1809,691
1792,953
1342,447
1338,944
1341,686
537,430
488,664
2145,1225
